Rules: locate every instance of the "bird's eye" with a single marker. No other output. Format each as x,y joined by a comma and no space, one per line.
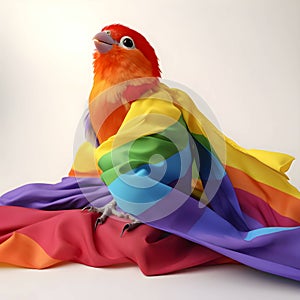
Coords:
107,32
127,42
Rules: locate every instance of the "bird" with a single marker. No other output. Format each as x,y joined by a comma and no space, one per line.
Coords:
121,55
168,166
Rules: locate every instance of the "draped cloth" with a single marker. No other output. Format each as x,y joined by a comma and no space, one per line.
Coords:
203,198
42,225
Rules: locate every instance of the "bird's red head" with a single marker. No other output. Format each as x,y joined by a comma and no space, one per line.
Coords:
121,54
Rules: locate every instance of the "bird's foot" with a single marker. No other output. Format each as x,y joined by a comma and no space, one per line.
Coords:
111,209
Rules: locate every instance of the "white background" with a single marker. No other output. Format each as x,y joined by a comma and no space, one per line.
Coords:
241,56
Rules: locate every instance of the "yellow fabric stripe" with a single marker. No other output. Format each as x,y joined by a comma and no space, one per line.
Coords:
145,117
157,111
85,164
263,166
84,161
257,165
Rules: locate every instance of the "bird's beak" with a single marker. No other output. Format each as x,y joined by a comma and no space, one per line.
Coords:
103,42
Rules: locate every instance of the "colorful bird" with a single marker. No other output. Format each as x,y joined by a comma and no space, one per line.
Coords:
168,166
121,55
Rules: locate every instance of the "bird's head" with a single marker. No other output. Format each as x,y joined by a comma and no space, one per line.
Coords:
121,54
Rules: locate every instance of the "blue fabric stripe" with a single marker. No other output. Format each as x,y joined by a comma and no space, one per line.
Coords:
265,231
136,193
142,187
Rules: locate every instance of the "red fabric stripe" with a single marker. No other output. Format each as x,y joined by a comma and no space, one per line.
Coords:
69,236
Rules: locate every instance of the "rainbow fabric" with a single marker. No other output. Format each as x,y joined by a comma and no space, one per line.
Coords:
172,169
42,226
169,166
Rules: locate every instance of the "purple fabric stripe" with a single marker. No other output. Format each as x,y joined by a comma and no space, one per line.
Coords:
251,222
282,247
277,253
225,203
70,193
169,210
258,263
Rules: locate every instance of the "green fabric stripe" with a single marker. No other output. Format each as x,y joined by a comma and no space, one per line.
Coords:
142,151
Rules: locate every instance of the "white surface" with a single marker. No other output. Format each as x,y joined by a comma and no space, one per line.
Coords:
242,56
80,282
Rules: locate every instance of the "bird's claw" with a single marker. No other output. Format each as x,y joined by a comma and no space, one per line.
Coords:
100,220
130,226
110,209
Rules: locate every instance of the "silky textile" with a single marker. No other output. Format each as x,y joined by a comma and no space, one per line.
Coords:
203,199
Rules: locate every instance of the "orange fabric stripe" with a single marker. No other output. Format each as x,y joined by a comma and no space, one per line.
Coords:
20,250
283,203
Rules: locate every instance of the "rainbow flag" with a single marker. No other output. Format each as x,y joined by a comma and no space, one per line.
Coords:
197,192
42,226
171,168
